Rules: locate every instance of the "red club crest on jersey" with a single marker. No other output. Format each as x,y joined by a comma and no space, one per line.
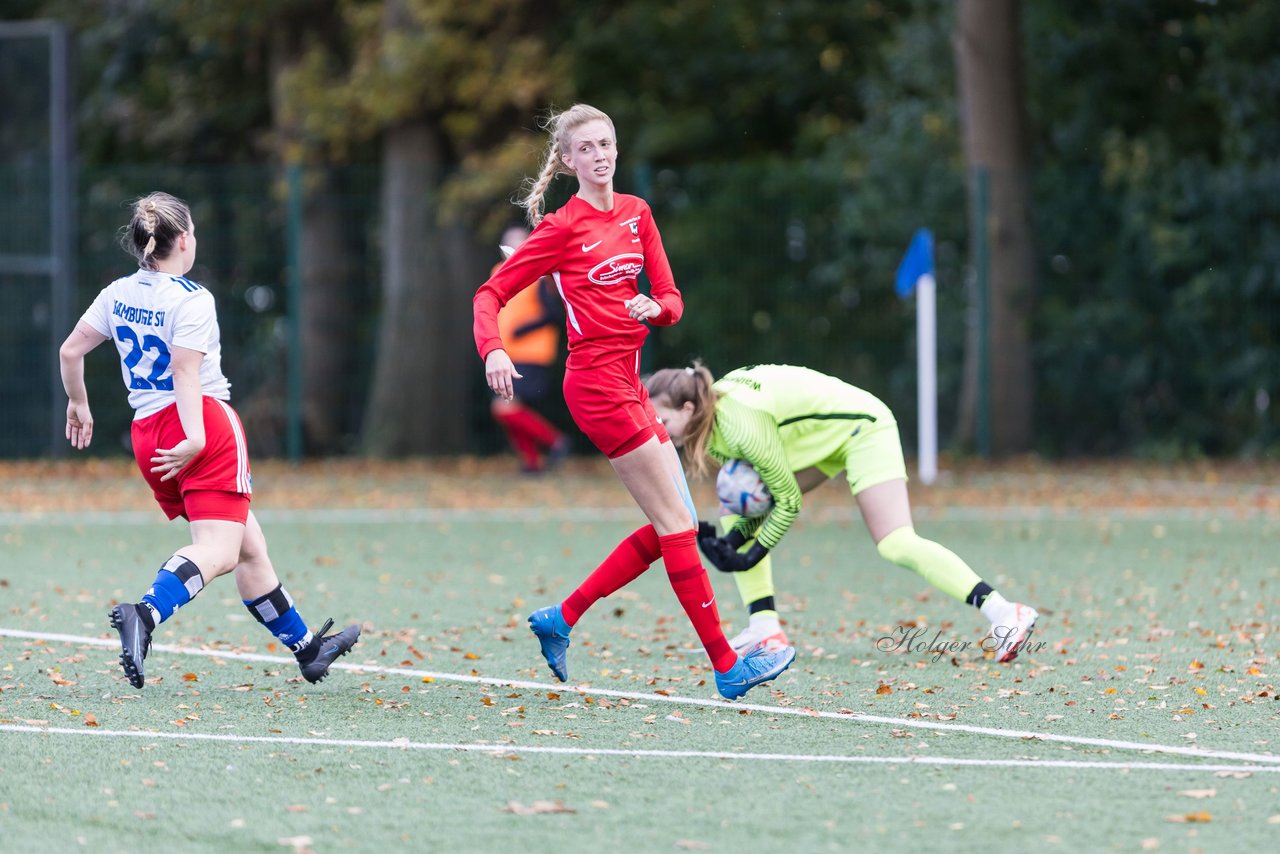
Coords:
617,269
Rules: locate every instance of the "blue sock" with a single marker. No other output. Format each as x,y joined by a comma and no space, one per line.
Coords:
275,611
176,584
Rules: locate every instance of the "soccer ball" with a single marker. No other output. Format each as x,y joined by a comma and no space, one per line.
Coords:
741,490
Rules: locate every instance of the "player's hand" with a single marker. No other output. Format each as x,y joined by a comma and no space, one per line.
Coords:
175,459
79,424
724,555
642,307
499,372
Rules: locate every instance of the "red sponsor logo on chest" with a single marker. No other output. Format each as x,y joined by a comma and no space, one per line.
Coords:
619,268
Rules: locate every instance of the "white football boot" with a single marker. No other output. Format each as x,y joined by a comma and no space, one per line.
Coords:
762,631
1007,637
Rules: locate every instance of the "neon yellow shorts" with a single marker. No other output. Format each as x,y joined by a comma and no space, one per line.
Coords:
870,457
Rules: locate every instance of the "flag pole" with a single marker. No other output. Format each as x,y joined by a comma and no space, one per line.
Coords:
927,381
915,274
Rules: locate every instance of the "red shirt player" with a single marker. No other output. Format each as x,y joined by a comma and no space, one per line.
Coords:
187,440
594,248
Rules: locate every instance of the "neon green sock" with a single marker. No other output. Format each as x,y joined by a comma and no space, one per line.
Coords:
936,564
757,582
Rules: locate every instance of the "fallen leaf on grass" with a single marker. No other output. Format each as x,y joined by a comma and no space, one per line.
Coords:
90,720
537,808
1198,793
1190,818
1235,775
693,845
299,844
190,677
884,689
295,808
1151,843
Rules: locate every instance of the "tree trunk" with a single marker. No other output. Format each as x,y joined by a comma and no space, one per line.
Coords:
328,295
990,74
328,306
418,400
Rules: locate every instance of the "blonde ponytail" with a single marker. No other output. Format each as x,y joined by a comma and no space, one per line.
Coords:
147,217
532,202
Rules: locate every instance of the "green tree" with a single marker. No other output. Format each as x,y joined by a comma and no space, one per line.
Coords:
445,89
1157,198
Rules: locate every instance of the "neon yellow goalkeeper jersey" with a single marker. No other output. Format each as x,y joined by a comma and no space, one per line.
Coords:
781,419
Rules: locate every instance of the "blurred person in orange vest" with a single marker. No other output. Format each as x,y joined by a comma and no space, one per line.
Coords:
530,328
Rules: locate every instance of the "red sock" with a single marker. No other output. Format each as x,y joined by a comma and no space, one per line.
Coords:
625,564
534,426
693,589
520,440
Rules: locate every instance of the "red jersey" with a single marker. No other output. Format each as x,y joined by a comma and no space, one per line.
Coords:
594,258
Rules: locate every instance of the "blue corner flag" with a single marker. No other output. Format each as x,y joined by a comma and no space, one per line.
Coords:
916,263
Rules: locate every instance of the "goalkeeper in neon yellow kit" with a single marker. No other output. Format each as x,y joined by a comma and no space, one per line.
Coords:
798,427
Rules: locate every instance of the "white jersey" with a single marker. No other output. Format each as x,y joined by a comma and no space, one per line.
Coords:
147,315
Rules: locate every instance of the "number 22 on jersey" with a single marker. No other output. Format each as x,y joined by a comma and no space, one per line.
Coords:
159,366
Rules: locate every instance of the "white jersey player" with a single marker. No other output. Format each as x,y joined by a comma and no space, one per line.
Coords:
187,440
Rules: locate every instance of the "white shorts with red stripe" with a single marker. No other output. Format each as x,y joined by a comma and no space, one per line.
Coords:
217,483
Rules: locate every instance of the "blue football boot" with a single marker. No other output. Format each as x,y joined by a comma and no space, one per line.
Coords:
553,635
758,666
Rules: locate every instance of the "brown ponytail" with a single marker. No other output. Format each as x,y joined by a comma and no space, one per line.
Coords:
678,386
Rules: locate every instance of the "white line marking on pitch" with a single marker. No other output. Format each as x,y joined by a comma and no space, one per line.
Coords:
514,750
431,515
1179,750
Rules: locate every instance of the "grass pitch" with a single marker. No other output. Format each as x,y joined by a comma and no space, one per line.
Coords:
1145,716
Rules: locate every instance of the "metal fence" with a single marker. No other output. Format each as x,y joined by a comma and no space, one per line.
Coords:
37,263
777,263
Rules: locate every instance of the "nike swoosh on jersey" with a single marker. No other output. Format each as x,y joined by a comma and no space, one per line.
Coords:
709,604
586,248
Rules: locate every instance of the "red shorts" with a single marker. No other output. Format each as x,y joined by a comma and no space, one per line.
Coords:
217,483
611,406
